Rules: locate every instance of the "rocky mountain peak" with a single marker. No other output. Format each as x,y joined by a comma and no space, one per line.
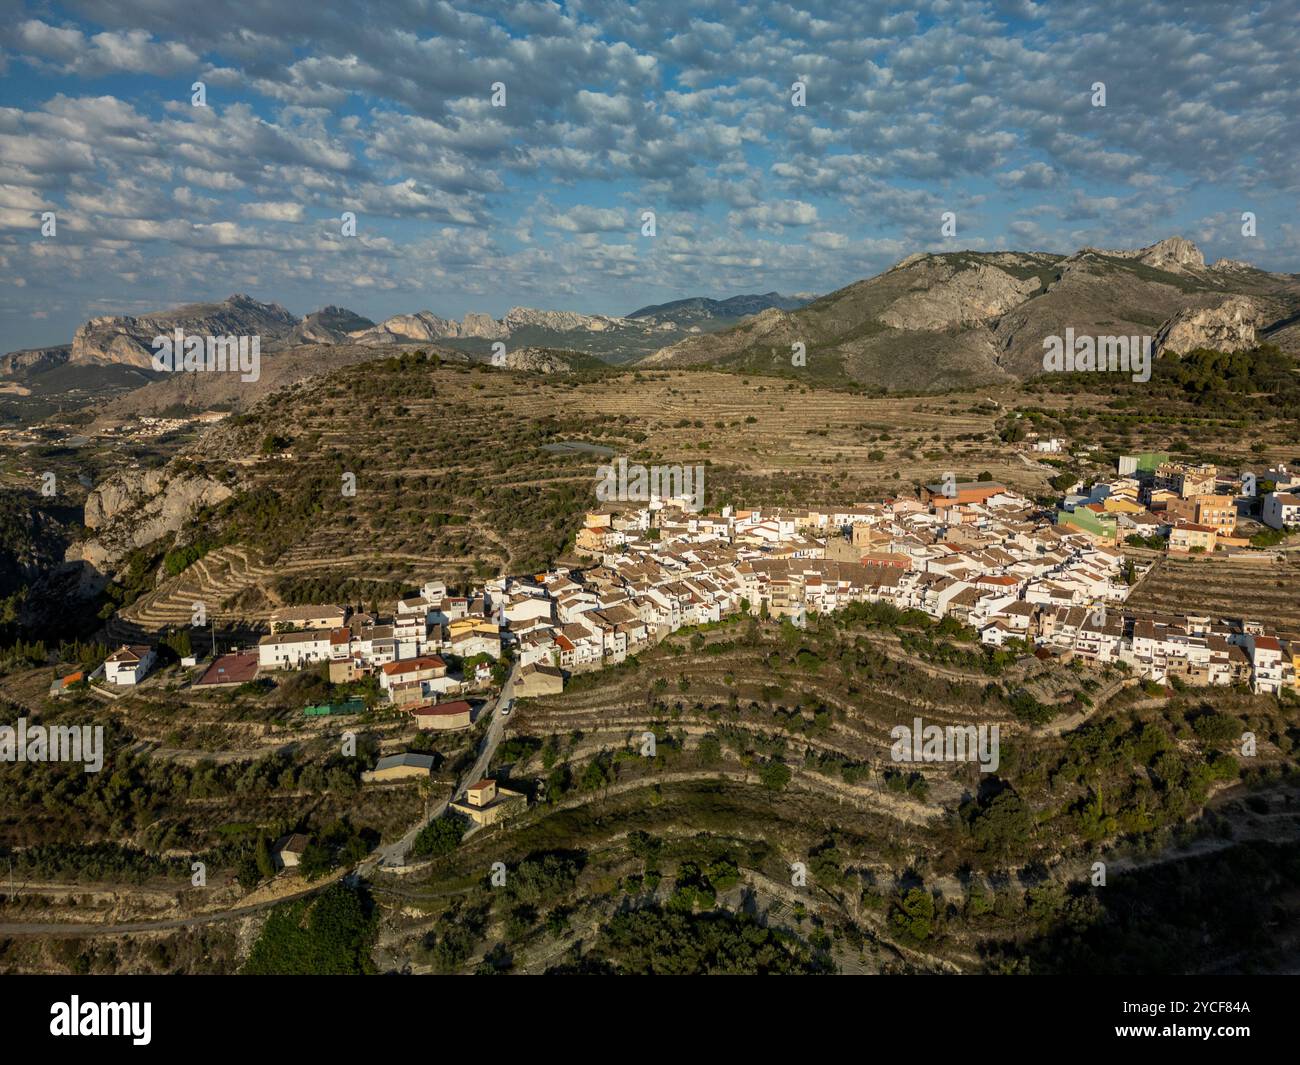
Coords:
1172,253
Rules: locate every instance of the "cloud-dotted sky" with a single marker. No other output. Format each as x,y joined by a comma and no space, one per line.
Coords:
384,108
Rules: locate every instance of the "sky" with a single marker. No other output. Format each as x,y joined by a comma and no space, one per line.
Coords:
385,109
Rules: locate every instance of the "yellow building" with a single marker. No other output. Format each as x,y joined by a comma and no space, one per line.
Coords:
1121,504
460,626
1185,479
485,803
406,766
1189,537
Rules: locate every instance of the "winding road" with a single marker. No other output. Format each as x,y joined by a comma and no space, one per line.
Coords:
392,854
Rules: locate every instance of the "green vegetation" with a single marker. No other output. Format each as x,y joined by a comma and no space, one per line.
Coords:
440,836
328,936
655,942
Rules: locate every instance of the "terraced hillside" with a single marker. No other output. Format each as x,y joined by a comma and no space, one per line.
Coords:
1264,588
771,812
770,828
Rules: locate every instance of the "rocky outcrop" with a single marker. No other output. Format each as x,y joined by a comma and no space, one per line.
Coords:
1230,326
329,325
136,507
33,360
420,326
1232,266
129,340
484,326
946,296
1172,253
537,360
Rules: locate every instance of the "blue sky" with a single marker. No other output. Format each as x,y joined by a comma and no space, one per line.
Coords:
384,109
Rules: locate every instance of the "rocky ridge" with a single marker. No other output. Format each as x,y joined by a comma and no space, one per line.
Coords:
129,340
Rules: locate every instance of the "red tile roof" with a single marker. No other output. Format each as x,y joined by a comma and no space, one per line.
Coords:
442,709
230,669
414,665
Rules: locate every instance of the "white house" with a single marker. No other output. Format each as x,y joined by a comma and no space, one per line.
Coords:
1266,660
1281,509
293,650
128,664
526,608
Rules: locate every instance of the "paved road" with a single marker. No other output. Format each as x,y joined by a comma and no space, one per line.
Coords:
396,853
390,854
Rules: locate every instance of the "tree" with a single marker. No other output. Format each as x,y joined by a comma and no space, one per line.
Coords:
1002,827
912,918
262,856
438,837
774,775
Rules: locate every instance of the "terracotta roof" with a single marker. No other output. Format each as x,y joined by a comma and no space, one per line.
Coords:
414,665
442,709
129,653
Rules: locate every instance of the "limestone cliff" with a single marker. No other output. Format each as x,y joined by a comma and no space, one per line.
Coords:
136,507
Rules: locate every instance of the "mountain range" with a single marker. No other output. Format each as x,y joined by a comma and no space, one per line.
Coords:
932,321
127,340
938,321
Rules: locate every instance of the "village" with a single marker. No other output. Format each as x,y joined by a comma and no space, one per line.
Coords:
989,558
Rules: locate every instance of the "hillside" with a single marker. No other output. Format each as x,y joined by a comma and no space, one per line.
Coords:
941,321
706,314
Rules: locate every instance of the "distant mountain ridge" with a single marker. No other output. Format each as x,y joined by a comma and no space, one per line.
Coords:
956,319
697,309
127,339
933,321
425,325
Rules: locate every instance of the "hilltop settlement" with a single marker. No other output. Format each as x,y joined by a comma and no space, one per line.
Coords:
1022,577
